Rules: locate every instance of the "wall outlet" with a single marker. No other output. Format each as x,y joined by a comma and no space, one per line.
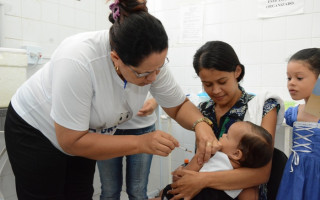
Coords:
34,54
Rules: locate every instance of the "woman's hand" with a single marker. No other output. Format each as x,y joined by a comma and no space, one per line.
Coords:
189,184
176,177
148,107
157,143
207,143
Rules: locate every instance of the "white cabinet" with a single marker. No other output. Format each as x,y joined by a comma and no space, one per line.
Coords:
13,72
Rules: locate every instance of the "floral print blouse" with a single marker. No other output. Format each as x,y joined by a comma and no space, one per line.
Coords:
236,113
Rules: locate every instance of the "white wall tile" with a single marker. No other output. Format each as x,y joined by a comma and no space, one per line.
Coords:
65,32
212,32
316,25
283,92
101,15
70,3
87,5
178,73
249,9
12,43
169,18
161,5
251,31
273,75
50,12
231,11
308,6
315,42
31,9
151,6
292,46
213,13
299,26
173,36
252,76
84,20
66,16
316,6
237,48
50,34
30,43
184,58
274,29
273,52
48,49
251,53
191,78
231,32
53,1
12,27
31,30
12,7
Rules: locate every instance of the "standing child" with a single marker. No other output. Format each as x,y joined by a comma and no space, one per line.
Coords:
301,177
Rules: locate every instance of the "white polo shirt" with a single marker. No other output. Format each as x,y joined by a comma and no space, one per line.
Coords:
80,90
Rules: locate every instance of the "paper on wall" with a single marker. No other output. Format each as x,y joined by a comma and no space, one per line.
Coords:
277,8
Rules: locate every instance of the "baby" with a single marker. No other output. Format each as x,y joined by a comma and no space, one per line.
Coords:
245,145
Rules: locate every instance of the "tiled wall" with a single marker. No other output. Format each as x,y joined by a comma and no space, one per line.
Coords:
46,23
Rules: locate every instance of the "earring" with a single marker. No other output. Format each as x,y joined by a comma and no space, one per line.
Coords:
116,67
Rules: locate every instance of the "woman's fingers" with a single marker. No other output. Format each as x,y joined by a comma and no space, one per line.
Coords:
206,143
159,143
189,184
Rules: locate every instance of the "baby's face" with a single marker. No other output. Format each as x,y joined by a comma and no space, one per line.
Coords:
231,140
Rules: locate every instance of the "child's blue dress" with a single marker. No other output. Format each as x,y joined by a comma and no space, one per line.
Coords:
301,176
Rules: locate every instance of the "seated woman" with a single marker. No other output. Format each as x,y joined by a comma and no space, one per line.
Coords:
245,145
220,71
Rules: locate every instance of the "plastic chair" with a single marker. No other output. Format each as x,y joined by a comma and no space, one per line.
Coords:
279,161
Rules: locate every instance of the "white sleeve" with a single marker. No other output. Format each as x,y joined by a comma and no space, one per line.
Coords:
166,91
72,93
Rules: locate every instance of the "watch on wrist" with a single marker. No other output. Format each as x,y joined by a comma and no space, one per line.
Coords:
203,119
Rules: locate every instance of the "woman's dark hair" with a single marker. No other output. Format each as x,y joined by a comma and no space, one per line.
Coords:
256,147
217,55
136,34
310,56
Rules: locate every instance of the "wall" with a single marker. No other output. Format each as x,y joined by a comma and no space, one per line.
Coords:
263,46
46,23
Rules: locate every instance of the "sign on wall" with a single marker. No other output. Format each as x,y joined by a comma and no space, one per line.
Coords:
276,8
191,23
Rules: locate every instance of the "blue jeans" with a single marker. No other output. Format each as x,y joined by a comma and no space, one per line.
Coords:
137,172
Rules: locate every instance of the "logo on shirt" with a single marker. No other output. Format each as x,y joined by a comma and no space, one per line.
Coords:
111,130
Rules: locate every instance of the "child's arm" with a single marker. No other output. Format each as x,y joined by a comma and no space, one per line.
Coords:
193,164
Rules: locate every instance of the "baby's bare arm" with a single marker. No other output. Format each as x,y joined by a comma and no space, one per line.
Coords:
193,164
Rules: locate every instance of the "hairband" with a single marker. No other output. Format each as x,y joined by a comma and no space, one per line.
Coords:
115,9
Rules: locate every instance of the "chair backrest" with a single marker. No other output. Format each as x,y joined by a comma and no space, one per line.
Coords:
279,161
